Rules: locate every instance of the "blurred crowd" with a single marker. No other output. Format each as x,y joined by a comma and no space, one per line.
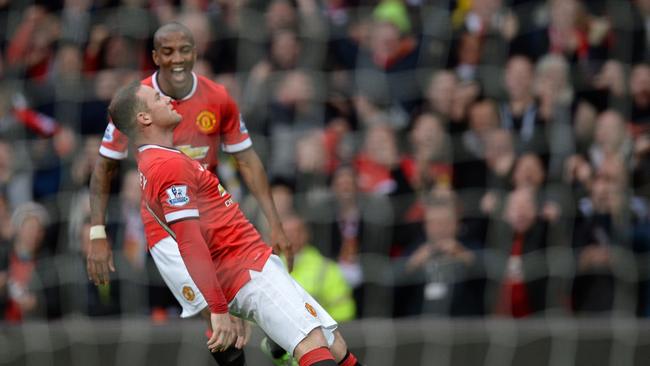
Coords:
436,157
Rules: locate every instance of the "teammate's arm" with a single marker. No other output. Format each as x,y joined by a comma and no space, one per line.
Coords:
100,256
254,175
197,259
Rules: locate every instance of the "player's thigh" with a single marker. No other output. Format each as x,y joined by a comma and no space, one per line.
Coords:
281,307
173,271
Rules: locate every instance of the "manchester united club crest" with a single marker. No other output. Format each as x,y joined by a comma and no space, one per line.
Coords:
311,310
188,293
206,121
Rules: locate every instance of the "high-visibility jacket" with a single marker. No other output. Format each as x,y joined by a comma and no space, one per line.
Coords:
322,278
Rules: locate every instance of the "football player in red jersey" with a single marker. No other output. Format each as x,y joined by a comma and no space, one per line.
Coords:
211,120
222,251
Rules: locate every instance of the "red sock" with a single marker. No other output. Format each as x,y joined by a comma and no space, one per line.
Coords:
316,355
348,360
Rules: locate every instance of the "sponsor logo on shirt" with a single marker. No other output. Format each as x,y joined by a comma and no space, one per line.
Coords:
108,133
188,293
206,121
177,196
242,125
222,191
143,180
194,152
311,310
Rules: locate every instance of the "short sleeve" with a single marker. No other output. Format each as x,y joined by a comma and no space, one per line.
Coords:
234,133
114,143
178,188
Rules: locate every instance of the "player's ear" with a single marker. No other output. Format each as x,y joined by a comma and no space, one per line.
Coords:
154,56
143,118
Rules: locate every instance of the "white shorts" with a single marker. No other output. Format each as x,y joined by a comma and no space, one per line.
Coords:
281,307
170,264
272,298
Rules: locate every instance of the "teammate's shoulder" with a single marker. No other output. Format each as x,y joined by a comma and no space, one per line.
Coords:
148,81
211,85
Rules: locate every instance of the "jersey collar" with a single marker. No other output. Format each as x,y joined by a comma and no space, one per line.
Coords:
154,81
152,146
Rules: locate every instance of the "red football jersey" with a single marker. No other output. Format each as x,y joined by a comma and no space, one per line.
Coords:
210,118
176,187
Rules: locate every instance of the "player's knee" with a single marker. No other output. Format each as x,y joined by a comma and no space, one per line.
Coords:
315,339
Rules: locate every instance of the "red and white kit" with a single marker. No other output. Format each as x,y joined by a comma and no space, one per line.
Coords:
176,188
211,120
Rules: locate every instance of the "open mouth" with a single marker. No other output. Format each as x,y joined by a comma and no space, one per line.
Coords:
179,73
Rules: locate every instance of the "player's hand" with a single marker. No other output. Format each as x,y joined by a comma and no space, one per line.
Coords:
100,261
242,331
281,244
223,332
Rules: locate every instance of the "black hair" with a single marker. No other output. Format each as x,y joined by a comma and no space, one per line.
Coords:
171,28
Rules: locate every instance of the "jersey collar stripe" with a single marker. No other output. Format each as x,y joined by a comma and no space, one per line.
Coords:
147,147
195,83
182,214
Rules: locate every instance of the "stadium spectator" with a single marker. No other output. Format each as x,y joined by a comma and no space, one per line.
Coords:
553,88
519,112
519,278
32,285
15,179
570,30
470,166
295,110
385,69
446,97
311,175
31,48
439,95
610,139
500,159
378,163
445,267
283,56
639,84
603,230
348,225
428,163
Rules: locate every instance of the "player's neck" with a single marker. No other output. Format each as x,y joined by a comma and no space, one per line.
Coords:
175,92
157,136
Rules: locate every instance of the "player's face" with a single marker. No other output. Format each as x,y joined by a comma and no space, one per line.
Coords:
160,107
175,57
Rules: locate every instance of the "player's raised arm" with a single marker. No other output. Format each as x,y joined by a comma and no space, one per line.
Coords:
254,175
100,256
